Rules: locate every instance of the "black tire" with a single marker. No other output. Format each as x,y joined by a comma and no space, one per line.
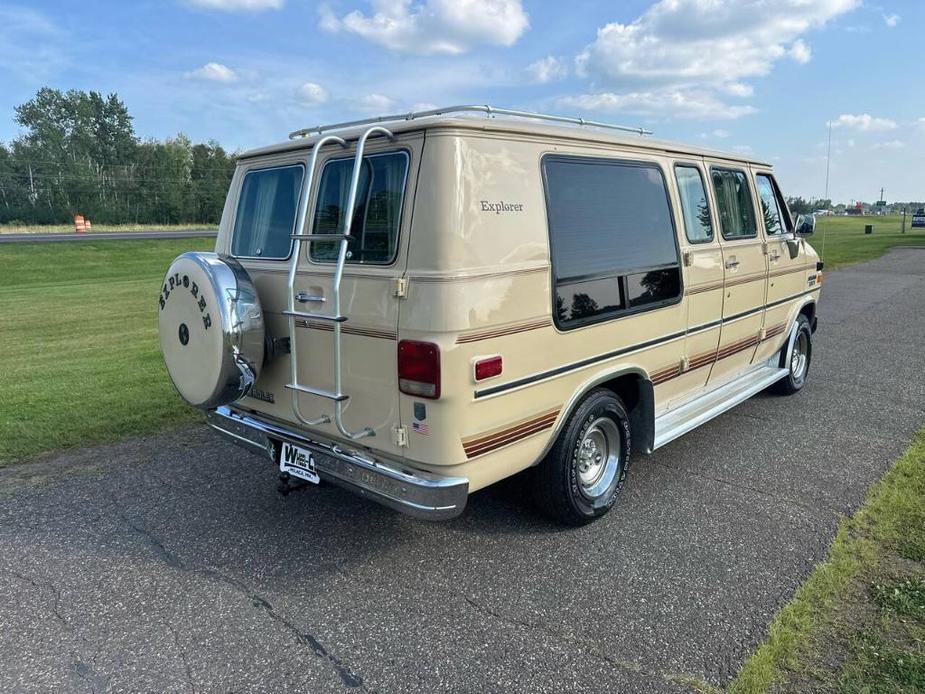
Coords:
566,487
797,374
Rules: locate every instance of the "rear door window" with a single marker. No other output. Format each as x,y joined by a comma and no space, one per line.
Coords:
376,224
734,204
612,238
266,212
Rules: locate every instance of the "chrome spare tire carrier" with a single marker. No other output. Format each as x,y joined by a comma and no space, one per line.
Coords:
211,329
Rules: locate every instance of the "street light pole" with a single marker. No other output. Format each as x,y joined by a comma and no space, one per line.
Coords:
828,159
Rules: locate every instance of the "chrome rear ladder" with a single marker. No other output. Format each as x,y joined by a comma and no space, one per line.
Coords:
335,318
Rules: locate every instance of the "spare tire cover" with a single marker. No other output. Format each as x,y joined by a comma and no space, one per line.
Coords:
211,329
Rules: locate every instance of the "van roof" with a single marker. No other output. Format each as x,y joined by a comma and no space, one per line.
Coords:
515,125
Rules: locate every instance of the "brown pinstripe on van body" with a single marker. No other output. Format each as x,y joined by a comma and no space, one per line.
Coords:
487,442
349,329
760,276
706,358
705,288
501,331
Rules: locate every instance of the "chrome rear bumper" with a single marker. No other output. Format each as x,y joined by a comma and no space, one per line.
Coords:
416,493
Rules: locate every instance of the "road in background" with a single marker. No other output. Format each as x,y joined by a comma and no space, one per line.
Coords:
106,236
171,563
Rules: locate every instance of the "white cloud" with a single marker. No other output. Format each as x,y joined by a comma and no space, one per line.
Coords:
312,94
705,41
32,47
677,103
891,144
800,52
548,69
702,49
327,20
236,5
433,26
863,122
737,89
375,103
718,133
214,72
891,20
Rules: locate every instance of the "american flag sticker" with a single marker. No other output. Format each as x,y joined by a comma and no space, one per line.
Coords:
421,428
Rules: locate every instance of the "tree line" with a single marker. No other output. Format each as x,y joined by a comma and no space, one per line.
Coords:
78,154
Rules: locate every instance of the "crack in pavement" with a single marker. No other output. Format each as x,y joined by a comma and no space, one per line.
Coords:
86,673
825,513
55,603
347,677
183,656
597,650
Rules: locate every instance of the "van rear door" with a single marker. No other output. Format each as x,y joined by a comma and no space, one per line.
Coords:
377,257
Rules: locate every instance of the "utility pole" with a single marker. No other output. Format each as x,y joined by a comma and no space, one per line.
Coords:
828,159
31,187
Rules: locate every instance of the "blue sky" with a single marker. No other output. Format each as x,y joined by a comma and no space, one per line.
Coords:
763,76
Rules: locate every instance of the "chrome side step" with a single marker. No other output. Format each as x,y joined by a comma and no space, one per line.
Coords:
702,409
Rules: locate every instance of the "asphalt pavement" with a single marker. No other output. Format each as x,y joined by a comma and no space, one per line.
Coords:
107,236
171,563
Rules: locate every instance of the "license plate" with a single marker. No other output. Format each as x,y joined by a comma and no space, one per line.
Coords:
298,462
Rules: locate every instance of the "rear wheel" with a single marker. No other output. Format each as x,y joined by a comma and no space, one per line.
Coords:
579,479
796,360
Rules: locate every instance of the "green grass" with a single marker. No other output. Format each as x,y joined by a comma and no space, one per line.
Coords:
841,240
69,228
858,622
79,341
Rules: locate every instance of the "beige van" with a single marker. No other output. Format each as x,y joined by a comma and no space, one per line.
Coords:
417,306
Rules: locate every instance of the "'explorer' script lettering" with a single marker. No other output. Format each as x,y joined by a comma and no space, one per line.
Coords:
175,282
501,206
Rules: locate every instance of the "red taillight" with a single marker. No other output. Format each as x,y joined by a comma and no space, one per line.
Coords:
419,369
488,368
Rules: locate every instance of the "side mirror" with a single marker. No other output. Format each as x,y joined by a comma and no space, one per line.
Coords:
806,225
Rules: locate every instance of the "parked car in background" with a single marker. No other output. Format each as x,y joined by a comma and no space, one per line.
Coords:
918,217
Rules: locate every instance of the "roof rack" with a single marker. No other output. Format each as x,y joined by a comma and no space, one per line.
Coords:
489,111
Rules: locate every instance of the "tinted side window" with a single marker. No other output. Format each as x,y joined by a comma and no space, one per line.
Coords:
734,203
378,208
266,212
769,209
697,224
611,236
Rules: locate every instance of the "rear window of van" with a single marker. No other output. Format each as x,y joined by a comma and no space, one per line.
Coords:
266,212
377,218
612,238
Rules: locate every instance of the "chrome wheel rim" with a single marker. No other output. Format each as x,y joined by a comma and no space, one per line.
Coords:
598,457
799,358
